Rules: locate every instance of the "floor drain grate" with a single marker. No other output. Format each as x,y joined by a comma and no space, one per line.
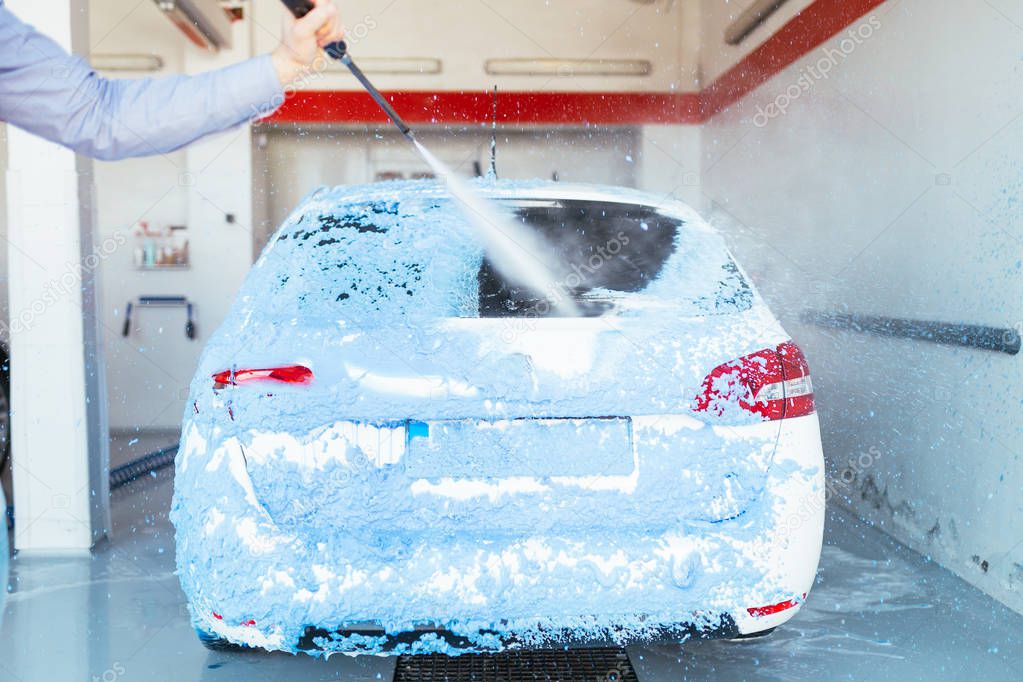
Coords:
584,665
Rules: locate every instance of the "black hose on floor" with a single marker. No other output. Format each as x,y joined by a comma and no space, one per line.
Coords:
143,466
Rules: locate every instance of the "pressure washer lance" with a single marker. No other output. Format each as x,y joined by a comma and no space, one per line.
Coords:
339,51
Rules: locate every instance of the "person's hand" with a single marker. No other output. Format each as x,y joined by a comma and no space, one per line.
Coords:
302,39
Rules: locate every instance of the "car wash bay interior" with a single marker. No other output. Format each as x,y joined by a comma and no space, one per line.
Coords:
859,156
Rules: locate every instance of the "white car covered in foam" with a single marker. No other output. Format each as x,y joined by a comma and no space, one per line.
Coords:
390,448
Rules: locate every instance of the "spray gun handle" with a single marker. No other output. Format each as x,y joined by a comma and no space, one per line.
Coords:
339,51
300,8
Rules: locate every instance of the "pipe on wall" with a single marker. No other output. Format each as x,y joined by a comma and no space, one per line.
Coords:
999,339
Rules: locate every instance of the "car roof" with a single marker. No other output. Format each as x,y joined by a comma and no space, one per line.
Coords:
539,190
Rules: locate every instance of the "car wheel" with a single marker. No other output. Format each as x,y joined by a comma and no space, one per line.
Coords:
216,643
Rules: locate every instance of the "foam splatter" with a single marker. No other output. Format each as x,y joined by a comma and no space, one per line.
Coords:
440,470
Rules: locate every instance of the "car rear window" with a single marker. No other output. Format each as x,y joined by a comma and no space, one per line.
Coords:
377,261
606,250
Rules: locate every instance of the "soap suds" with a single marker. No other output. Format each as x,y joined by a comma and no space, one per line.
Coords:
327,505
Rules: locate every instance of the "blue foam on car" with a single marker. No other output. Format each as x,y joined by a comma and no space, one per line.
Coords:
471,448
296,507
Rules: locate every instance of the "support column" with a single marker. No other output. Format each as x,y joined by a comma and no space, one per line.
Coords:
59,429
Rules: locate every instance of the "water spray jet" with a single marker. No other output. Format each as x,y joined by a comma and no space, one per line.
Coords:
518,253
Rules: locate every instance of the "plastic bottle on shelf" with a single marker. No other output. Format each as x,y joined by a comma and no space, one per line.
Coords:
140,252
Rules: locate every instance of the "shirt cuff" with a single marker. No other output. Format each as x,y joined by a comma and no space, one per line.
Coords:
257,88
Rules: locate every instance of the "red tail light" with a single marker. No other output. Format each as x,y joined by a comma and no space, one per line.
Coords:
773,383
293,374
761,611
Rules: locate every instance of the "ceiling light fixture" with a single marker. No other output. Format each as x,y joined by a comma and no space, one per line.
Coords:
569,67
395,65
126,62
204,22
759,12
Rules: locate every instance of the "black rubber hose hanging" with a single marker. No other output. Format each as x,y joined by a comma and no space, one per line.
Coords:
143,466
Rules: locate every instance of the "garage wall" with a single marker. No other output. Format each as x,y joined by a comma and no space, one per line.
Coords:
878,176
207,188
126,192
464,35
294,164
659,159
147,370
4,304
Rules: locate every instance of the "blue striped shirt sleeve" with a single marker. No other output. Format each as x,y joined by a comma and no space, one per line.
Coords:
59,97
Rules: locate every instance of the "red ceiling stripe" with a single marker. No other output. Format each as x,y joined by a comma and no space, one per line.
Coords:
472,108
813,26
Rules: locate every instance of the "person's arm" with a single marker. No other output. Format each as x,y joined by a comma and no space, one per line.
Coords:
59,97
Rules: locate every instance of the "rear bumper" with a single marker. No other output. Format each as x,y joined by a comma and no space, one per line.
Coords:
254,583
317,640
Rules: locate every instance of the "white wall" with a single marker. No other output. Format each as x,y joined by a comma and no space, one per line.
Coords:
463,35
670,164
660,159
4,306
891,187
295,164
149,372
5,473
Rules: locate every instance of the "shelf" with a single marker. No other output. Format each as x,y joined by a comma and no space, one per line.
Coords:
150,268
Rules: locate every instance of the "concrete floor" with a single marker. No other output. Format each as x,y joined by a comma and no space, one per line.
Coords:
879,612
